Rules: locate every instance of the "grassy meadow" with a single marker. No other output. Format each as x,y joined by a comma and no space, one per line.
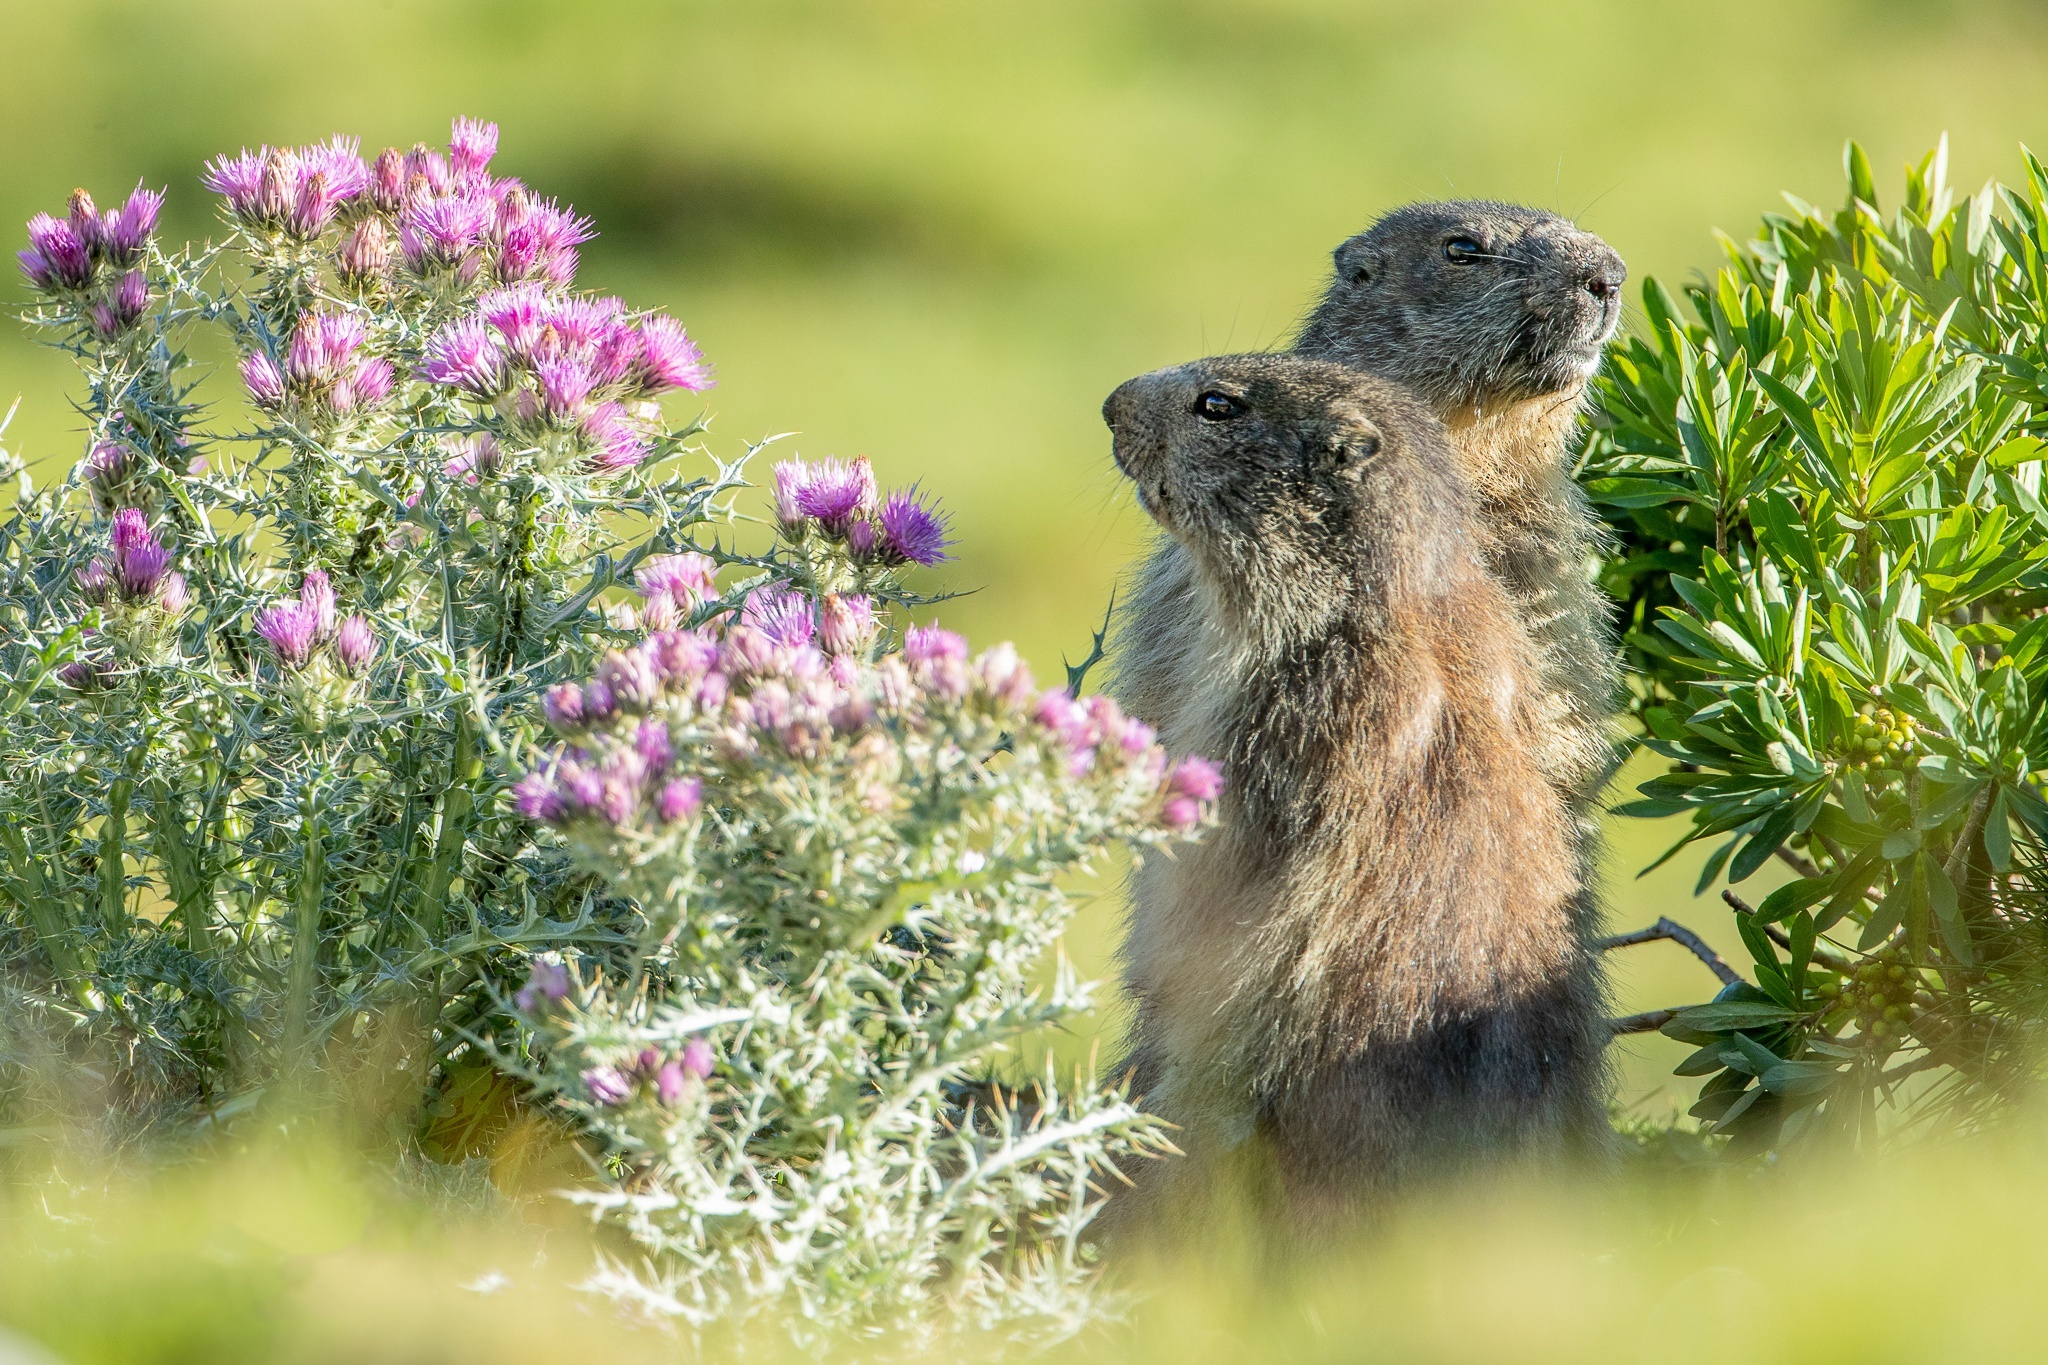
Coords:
937,234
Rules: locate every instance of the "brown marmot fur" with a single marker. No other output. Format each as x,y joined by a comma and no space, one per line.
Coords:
1373,966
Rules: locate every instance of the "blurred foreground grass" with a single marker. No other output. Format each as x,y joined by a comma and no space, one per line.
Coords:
309,1256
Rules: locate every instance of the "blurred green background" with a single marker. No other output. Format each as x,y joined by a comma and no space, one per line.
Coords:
938,233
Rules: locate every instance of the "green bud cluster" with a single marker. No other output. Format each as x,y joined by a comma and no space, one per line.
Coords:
1882,742
1877,997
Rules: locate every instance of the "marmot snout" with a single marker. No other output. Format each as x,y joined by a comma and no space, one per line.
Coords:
1373,967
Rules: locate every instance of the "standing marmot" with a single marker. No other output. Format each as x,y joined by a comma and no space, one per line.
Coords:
1372,965
1496,315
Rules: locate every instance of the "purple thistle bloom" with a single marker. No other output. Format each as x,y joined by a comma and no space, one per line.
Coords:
473,459
313,208
322,347
669,359
536,798
563,706
126,233
836,492
339,162
520,315
139,561
598,701
466,356
365,254
265,380
471,146
911,531
387,180
651,742
130,298
35,267
618,353
236,178
688,578
355,644
109,462
671,1083
104,319
83,675
933,644
366,385
863,541
791,478
565,385
631,677
174,596
586,323
620,442
288,628
681,799
846,623
66,260
439,232
698,1058
681,657
131,529
786,618
83,216
95,581
608,1085
316,595
1196,777
547,983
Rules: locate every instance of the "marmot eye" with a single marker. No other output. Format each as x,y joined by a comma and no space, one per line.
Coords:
1217,407
1462,251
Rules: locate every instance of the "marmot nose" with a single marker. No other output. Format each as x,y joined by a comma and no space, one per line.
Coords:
1604,274
1118,404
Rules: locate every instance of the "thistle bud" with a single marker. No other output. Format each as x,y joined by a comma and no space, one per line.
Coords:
365,254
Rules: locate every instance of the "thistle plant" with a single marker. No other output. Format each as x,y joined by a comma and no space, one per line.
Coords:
420,714
1826,467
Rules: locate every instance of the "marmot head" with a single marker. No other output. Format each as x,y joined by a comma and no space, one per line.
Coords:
1293,482
1471,302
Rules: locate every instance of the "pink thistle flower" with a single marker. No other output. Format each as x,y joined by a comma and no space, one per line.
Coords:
251,182
129,299
475,458
440,232
938,660
1006,677
620,442
864,542
82,675
563,706
1067,719
547,983
109,462
139,561
36,268
687,578
312,210
565,385
265,380
387,180
912,532
365,254
366,385
322,347
681,657
598,701
471,147
787,619
846,623
836,492
464,355
126,233
355,644
95,582
519,314
668,359
630,675
1196,777
84,220
316,595
746,652
681,799
608,1085
66,259
792,477
339,162
289,629
698,1059
651,742
174,595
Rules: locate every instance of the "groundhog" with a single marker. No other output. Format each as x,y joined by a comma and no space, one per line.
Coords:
1372,969
1497,315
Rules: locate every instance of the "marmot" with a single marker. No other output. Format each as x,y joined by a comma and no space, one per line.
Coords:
1373,966
1496,314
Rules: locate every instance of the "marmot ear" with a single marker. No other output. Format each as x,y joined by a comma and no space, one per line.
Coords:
1349,439
1357,263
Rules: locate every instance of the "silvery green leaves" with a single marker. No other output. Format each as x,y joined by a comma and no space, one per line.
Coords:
1828,486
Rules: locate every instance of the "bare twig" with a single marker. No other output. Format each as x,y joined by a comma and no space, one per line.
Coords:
1679,934
1647,1022
1798,862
